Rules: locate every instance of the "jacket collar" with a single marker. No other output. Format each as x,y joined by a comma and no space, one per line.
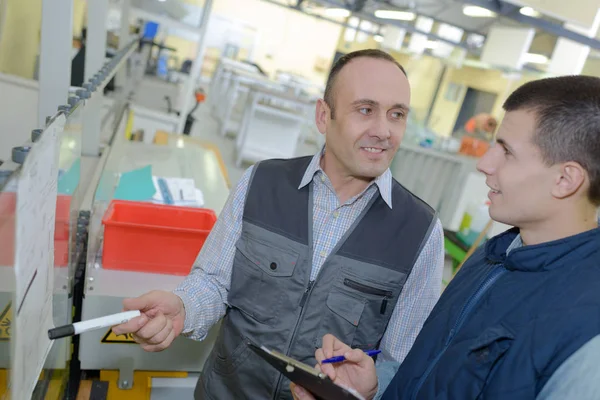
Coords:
543,256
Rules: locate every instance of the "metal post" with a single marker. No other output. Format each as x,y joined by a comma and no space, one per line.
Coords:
124,39
55,57
96,36
188,89
95,54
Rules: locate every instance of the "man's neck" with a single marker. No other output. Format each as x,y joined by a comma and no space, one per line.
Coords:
346,187
560,227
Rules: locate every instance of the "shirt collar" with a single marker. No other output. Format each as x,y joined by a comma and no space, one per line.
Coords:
518,242
383,181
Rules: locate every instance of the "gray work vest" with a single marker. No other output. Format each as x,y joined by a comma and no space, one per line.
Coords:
272,301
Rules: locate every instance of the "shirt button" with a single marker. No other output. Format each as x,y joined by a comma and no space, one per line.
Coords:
322,178
336,214
323,253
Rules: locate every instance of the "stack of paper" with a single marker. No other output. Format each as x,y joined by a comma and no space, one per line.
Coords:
177,191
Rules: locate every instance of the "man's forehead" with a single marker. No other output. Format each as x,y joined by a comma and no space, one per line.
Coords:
519,123
380,80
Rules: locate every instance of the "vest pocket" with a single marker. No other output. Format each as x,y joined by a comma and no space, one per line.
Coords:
230,351
260,271
342,316
379,304
486,352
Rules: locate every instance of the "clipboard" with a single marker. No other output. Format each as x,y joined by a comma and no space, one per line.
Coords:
315,382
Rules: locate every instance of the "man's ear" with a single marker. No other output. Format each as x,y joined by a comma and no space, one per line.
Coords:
322,115
571,178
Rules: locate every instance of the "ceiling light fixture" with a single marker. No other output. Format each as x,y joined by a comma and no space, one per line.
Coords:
337,12
535,58
478,12
530,12
397,15
431,44
378,38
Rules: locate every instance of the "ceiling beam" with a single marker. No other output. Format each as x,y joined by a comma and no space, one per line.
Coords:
320,17
416,10
408,27
511,11
380,21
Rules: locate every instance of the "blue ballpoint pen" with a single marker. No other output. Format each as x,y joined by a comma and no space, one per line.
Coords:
370,353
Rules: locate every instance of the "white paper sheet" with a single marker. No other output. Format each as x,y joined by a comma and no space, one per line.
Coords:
183,192
34,260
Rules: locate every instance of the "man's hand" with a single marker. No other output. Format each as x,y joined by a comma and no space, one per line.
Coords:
162,320
357,372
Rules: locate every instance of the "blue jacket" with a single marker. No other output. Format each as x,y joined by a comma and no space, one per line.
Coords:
506,323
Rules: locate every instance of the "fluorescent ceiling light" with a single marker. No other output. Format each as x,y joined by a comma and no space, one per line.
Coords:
478,12
535,58
530,12
378,38
431,44
399,15
337,12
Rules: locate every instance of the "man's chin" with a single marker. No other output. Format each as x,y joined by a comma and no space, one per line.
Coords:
498,216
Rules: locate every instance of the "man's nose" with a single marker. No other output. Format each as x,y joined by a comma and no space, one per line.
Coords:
486,163
381,128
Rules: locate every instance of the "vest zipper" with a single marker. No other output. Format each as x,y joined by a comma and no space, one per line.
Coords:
305,295
464,313
302,304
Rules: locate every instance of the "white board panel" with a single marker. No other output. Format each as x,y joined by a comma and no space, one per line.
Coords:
34,259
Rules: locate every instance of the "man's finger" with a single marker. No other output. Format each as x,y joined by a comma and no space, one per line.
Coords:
328,345
142,303
319,355
161,346
162,335
131,326
329,370
356,356
300,393
153,327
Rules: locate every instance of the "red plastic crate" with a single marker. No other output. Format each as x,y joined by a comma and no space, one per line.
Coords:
154,238
7,229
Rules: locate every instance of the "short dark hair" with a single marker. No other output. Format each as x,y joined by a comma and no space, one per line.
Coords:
345,59
567,111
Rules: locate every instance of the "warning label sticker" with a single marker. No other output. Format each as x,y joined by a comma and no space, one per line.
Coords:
111,337
5,320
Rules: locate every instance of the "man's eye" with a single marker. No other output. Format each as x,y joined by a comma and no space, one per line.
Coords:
398,115
365,111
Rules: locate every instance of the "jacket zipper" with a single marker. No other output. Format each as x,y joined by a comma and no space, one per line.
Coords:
387,294
466,310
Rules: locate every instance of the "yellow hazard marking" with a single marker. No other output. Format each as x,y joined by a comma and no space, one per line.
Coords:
111,337
5,320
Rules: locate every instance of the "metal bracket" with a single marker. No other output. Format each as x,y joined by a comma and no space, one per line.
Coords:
125,381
